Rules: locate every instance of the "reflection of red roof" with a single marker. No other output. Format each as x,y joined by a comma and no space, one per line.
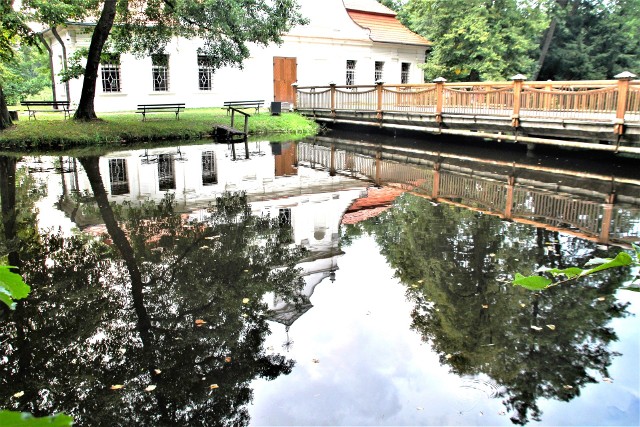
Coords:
382,23
377,201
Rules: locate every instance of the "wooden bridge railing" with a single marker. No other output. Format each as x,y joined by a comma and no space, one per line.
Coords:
612,101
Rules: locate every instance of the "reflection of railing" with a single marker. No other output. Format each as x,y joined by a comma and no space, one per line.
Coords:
600,220
613,101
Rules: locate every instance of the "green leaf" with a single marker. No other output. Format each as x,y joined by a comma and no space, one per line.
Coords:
12,287
570,272
533,283
24,419
631,288
623,259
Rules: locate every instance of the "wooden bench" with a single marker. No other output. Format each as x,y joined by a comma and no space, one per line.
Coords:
159,108
244,104
34,107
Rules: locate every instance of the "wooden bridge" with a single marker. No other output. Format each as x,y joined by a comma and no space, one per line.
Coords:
595,115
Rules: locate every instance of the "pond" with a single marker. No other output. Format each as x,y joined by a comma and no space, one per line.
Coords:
338,280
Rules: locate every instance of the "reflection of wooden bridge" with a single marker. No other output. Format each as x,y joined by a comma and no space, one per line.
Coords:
594,207
596,115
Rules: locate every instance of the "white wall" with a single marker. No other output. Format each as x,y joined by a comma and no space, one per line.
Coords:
321,48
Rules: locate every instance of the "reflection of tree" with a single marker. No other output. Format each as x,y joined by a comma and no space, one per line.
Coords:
125,313
455,264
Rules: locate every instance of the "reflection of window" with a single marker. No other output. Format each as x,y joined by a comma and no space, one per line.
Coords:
166,172
118,176
110,67
404,73
379,66
205,72
351,72
284,217
160,72
209,170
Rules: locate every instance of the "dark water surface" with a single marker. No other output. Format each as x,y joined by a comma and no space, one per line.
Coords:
334,281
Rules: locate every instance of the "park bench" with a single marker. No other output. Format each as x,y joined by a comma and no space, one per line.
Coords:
244,104
159,108
34,107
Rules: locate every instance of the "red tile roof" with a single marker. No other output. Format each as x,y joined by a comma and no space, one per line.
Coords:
368,6
386,28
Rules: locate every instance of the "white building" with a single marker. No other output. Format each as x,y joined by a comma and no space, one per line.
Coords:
346,42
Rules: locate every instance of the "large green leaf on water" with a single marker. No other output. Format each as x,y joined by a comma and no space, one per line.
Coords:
24,419
533,283
12,287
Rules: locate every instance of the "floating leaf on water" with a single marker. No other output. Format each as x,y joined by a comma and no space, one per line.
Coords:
485,306
532,283
122,350
227,359
601,299
213,386
246,271
117,387
567,387
523,305
316,361
199,322
421,281
607,380
536,328
419,408
150,387
212,237
19,394
448,356
245,300
245,315
157,371
552,327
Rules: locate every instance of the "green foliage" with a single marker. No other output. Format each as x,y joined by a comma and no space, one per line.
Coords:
26,75
594,39
538,282
478,39
12,287
23,419
75,67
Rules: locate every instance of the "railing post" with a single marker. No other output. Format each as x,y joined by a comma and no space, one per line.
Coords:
508,208
439,97
295,95
435,191
623,94
332,85
547,96
379,85
332,161
517,91
378,178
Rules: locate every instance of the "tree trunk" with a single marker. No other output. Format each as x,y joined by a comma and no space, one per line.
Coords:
86,110
548,37
5,118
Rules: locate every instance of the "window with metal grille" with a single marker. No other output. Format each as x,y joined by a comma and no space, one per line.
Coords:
379,67
404,73
209,169
166,172
205,72
284,217
351,72
110,77
118,177
160,72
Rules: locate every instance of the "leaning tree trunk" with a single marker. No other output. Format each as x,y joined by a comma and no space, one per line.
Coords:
86,110
5,118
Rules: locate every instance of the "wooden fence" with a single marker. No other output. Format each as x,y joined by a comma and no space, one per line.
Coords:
613,101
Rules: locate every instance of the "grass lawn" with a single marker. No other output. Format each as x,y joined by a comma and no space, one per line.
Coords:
51,131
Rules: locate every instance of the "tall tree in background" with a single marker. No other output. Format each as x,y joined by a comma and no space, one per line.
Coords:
592,39
478,39
13,28
146,27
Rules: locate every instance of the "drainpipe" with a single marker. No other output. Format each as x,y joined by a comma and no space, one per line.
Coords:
64,58
53,75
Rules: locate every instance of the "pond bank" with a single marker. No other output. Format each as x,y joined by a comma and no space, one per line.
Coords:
51,131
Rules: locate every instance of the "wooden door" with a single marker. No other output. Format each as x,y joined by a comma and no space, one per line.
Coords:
285,73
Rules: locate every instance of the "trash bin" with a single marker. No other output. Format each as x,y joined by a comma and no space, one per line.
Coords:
13,114
276,108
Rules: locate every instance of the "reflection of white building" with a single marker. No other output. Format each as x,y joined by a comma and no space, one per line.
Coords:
310,200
